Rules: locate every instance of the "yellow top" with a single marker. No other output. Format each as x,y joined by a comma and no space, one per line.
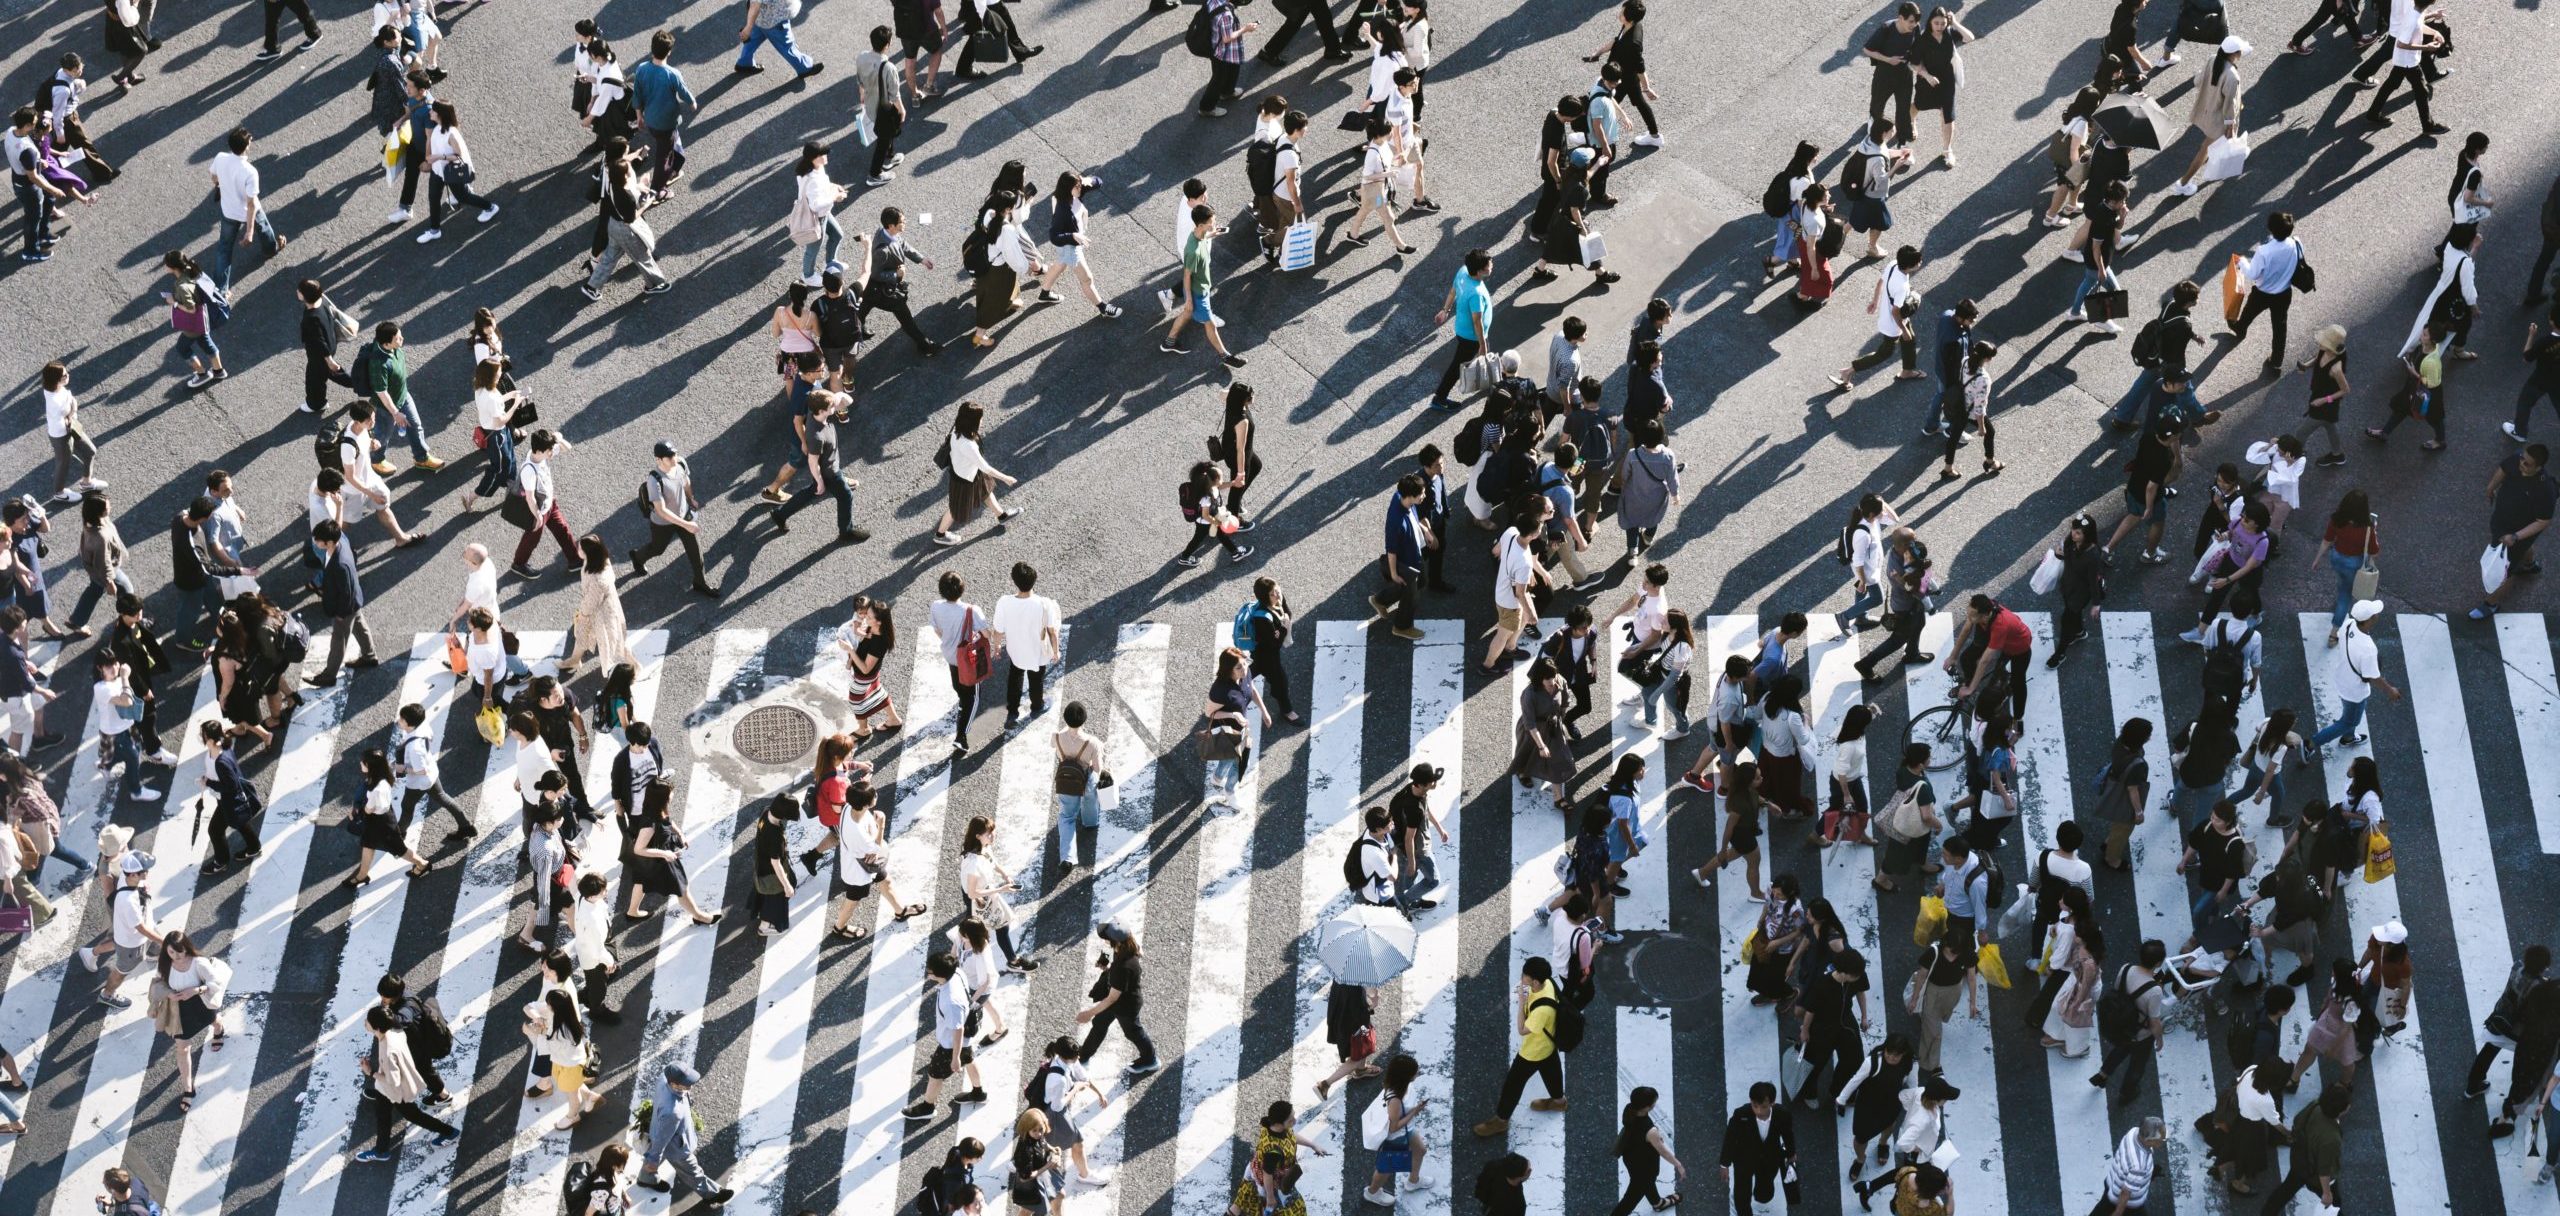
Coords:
1539,1042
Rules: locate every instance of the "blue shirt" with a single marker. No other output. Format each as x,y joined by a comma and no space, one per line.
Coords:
2272,263
1474,304
660,90
1404,533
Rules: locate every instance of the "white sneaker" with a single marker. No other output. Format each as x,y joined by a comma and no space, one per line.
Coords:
1648,141
488,213
2511,431
1102,1179
2183,189
200,379
2075,314
399,215
87,484
431,236
146,795
1384,1199
2074,255
879,179
164,757
2109,328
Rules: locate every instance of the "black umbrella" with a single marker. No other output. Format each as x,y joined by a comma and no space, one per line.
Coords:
2132,120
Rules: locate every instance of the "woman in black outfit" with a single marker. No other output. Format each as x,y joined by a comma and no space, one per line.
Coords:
1201,505
1270,636
1502,1185
1642,1150
1626,49
1234,448
2083,584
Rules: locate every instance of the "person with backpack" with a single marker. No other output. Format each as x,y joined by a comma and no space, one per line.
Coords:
1261,630
601,1190
2160,351
1778,203
2531,973
1056,1082
1202,500
393,1080
428,1037
125,1194
1369,869
2129,1012
1272,163
1217,34
675,517
1826,1033
1896,303
1547,1028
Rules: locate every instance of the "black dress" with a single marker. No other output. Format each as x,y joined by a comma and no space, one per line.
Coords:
1563,243
657,875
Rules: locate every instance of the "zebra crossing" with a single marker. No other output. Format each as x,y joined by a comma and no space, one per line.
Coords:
811,1047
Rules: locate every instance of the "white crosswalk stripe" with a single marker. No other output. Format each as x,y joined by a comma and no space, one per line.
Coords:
1225,1062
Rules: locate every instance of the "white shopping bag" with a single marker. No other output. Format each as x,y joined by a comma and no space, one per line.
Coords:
1479,374
1593,248
862,127
2493,568
1165,297
1106,793
2048,574
1298,246
2204,565
2225,158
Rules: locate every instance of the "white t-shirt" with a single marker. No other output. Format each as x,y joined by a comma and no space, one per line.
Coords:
1382,75
1784,735
444,141
487,660
480,590
1283,163
534,478
967,461
491,405
2072,870
2407,26
532,760
1375,160
859,837
208,980
950,1013
417,754
131,918
238,181
359,470
1022,620
102,707
1895,288
1653,616
589,927
1513,558
2357,661
321,506
59,409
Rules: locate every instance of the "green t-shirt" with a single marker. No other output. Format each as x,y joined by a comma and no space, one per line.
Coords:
1195,258
389,373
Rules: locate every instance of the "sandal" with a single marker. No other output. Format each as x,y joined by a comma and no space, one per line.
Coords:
910,912
359,880
419,870
993,1039
537,1091
216,1045
848,933
1991,468
187,1100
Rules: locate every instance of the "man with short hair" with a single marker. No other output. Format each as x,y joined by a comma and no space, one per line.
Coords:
2354,674
1406,537
1889,49
1534,1005
2522,495
386,382
2316,1148
887,287
673,1140
1954,364
953,1051
1895,307
1374,860
1992,637
342,598
2142,981
675,516
825,461
1196,286
1417,873
664,101
1759,1154
1025,626
324,327
1469,313
2128,1185
413,766
244,213
2271,268
2412,42
364,476
540,494
35,195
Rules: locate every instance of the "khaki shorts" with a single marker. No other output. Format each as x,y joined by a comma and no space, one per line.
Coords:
1507,619
130,959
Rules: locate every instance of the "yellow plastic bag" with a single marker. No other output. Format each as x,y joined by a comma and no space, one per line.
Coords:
1932,922
2377,857
1995,970
394,144
492,724
1751,947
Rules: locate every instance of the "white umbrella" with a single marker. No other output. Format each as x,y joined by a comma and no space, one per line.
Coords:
1367,945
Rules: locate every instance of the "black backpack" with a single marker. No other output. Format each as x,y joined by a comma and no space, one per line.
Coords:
293,639
2119,1018
1468,447
324,449
1568,1032
581,1183
1995,885
1198,39
973,253
1774,201
2226,666
1262,165
1184,497
1355,875
1035,1096
430,1036
2146,341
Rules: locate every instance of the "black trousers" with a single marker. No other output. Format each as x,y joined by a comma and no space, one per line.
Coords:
833,486
2480,1065
894,301
1436,557
1205,534
1628,94
2296,1180
2340,12
1400,598
996,19
1318,11
2530,394
410,800
2538,284
226,820
435,1080
2135,1052
146,730
1121,1016
1889,84
1275,683
2276,305
1905,635
666,156
884,148
1644,1179
1014,677
1549,1070
597,985
662,535
1222,84
2418,90
968,694
301,9
388,1114
1761,1182
1460,350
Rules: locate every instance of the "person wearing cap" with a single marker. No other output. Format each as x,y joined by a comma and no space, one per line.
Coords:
674,517
2216,113
2128,1184
1417,872
2355,672
2522,495
673,1139
137,936
955,1021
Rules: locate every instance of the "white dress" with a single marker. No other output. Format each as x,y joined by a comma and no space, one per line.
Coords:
601,628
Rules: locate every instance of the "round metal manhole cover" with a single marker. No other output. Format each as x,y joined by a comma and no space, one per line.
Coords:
774,735
1673,968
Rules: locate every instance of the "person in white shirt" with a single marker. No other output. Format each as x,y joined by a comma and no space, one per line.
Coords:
136,934
198,985
2284,460
479,589
1869,531
1012,259
972,481
1896,307
2411,42
813,214
71,445
450,169
952,1050
2460,260
413,761
540,496
244,213
2270,269
486,662
1378,164
355,464
1025,626
2355,671
1377,860
590,929
1516,577
114,708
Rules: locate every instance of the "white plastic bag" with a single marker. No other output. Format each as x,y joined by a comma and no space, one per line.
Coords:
2204,565
1298,246
1594,248
2225,158
1106,793
1479,374
1373,1124
2493,568
2048,574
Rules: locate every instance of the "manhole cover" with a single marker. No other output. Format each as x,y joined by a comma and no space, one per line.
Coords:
774,734
1671,968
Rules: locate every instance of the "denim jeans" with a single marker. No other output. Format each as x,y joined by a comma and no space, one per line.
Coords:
37,207
1423,879
230,241
780,36
117,580
2350,716
1221,784
123,749
2193,803
809,253
199,606
2344,566
2136,398
1678,687
1076,810
404,417
2089,280
2271,777
501,472
1869,600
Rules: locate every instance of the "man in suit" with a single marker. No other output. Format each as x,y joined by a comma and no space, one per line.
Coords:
1435,516
236,803
1406,536
1760,1143
342,597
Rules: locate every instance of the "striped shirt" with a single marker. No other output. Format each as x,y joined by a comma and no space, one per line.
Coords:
2129,1171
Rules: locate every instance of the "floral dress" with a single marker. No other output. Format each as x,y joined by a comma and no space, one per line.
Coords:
1249,1189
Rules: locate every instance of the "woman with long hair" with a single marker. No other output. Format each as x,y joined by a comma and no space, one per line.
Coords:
988,887
1741,840
2265,761
1798,175
1939,74
657,857
1036,1184
398,1085
831,782
1784,738
1641,1150
1011,259
1541,750
1067,236
1403,1148
380,820
1678,651
496,406
449,168
794,329
866,642
599,625
813,214
2068,152
240,686
970,481
2351,538
196,986
554,1025
1204,493
1845,818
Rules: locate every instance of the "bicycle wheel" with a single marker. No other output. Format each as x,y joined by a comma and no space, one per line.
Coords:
1942,728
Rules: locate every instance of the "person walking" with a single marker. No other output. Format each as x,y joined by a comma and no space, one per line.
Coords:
2216,112
382,379
2127,1189
1226,54
886,288
132,931
275,10
244,212
769,21
1469,313
1896,307
1012,260
1889,51
325,327
1402,562
1120,1004
2316,1152
1936,64
621,232
664,101
1534,1016
393,1078
342,598
236,804
813,223
534,506
598,628
824,452
1760,1143
674,1140
413,761
194,987
1025,627
1873,1098
2413,41
675,516
2133,1042
450,170
2522,496
970,481
71,443
1197,287
1067,236
1625,51
2541,380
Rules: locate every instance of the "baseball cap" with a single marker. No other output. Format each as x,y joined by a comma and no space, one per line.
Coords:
1425,774
665,450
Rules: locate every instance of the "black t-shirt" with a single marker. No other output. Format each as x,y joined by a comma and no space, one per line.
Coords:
1828,1000
1945,972
2108,164
2521,500
1936,55
2150,466
1123,977
1890,40
771,846
1551,138
2105,224
1407,812
1627,51
836,320
2177,333
2545,353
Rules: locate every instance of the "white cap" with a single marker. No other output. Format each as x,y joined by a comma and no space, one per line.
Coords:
2235,45
2391,933
2365,610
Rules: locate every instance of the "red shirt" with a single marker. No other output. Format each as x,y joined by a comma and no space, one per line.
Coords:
831,792
2008,634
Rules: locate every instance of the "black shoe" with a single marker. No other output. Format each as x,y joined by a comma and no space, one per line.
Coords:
270,53
706,590
971,1098
660,1185
1027,54
639,567
719,1198
363,663
918,1112
746,69
814,69
853,536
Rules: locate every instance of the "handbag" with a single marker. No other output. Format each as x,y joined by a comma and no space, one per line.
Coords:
1931,922
236,585
1298,246
987,46
1793,1071
976,658
1594,248
29,859
2224,158
2114,304
2368,578
456,659
1364,1044
1106,793
1373,1123
1751,946
2213,555
2235,287
1222,743
2378,864
16,915
516,510
1479,374
2048,574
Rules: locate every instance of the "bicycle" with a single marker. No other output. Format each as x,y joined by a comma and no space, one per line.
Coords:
1947,730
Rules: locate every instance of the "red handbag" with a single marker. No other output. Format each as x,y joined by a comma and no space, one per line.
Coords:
976,658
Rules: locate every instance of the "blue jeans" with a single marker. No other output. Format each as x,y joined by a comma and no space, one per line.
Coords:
404,422
37,207
230,240
1867,601
2271,777
2193,803
1786,248
809,253
1678,687
197,347
123,749
2089,279
2135,398
1425,877
780,37
1221,783
2345,567
1075,810
198,607
499,477
2350,716
62,851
